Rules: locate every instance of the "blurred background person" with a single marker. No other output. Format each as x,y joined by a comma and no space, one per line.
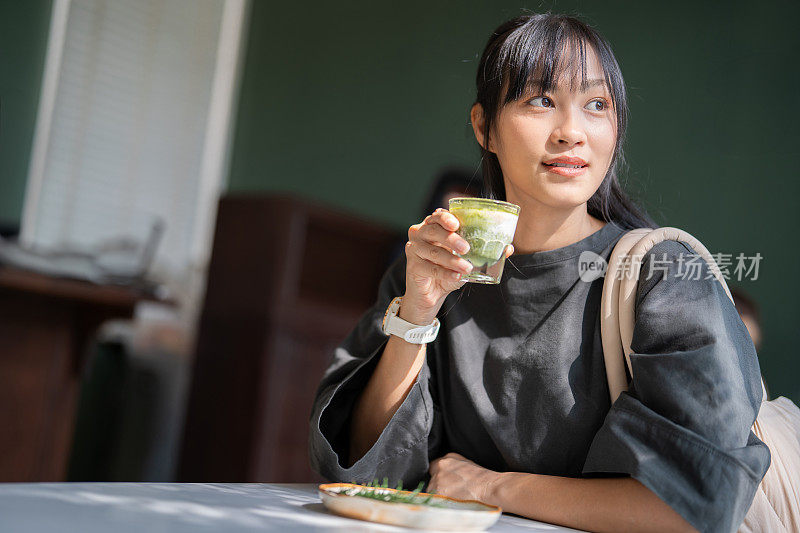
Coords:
450,182
749,313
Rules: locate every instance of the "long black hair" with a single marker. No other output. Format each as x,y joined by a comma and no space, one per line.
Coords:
526,51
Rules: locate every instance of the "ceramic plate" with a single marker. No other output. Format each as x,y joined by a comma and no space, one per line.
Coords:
461,515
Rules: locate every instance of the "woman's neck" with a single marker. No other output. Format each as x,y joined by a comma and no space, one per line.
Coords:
541,228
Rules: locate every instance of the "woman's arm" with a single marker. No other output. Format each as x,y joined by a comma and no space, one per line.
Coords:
407,440
592,504
386,390
431,265
601,504
684,427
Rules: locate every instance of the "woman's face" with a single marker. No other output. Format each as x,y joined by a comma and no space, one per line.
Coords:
538,128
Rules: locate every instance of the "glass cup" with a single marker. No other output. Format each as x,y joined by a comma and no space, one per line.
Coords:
488,226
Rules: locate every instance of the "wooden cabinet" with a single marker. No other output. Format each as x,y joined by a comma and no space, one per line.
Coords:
288,280
46,324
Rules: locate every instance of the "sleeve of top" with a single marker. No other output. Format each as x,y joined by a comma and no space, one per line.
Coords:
683,429
402,450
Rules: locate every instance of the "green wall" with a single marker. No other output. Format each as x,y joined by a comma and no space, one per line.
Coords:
358,104
23,41
714,140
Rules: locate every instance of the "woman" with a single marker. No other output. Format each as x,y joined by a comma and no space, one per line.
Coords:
509,404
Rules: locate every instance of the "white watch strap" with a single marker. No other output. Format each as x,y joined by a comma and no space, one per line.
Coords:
394,325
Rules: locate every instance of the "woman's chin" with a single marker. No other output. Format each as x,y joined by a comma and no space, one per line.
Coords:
557,192
578,189
565,202
570,193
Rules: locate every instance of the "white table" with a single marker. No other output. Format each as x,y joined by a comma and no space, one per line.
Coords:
187,507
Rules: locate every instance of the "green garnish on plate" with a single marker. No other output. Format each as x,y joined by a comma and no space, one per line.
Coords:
373,490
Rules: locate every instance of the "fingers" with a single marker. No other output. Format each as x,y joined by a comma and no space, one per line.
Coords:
429,269
440,257
433,246
439,229
433,468
433,242
445,218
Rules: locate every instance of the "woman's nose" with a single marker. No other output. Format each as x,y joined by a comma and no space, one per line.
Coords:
568,130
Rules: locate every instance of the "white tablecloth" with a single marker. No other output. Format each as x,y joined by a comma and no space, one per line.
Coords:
187,507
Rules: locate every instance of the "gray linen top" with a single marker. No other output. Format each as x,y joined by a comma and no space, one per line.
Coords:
515,381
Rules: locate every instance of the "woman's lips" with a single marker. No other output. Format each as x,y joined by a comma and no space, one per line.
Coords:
565,171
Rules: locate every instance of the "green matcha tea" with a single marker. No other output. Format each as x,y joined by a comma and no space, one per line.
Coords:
488,226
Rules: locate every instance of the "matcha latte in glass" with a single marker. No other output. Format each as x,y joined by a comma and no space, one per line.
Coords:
488,226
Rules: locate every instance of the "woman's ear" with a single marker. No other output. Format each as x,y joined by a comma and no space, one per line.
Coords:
477,119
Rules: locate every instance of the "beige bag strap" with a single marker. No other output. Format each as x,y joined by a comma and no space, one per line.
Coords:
613,352
617,316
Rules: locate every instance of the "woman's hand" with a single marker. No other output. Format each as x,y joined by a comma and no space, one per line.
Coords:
456,476
432,269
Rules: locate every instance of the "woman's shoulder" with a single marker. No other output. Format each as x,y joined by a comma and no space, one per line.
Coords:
681,272
668,246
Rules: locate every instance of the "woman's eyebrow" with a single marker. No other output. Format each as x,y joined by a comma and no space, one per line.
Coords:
589,84
592,83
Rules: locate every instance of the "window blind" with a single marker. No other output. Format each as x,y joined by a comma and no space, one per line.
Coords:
137,127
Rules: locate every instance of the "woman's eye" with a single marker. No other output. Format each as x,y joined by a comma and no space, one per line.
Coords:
603,106
545,100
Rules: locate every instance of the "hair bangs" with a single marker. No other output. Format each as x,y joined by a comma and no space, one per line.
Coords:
537,55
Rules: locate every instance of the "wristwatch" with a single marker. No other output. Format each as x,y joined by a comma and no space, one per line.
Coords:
394,325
